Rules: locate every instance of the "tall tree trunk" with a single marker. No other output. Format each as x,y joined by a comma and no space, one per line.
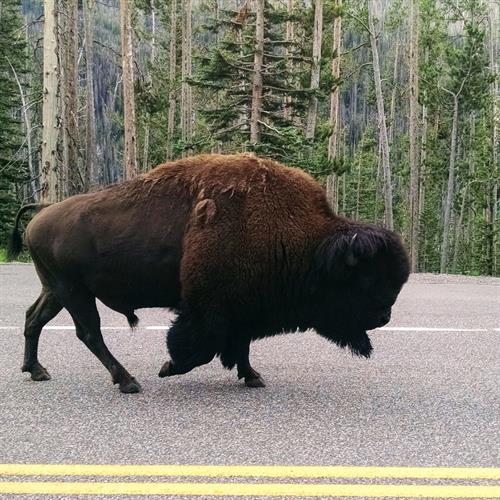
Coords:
413,133
450,188
358,191
186,91
315,68
91,174
492,209
383,138
344,194
50,131
130,150
172,75
244,109
110,175
332,188
423,159
27,129
290,38
392,111
68,49
257,73
217,146
145,153
459,229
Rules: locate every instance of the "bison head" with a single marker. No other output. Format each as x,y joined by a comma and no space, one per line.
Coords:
358,274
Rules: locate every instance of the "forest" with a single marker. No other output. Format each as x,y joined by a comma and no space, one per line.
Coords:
392,105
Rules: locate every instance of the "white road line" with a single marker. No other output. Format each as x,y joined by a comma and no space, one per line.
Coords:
71,327
425,329
385,328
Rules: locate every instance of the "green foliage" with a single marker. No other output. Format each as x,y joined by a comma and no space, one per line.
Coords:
453,55
225,73
457,61
12,167
362,194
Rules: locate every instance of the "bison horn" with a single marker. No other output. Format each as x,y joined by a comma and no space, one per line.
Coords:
351,260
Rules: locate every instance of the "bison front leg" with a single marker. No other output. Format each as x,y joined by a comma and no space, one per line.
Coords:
237,352
245,370
188,347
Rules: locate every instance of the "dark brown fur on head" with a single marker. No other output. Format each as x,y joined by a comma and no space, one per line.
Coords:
359,271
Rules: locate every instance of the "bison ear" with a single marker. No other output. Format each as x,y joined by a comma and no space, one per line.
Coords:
338,255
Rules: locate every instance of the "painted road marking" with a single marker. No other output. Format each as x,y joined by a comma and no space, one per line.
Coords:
385,328
268,471
72,327
425,329
249,489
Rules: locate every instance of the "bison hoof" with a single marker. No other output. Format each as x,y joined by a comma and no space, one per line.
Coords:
130,386
254,382
38,372
166,369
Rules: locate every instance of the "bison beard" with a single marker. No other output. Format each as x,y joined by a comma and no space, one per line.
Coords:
241,247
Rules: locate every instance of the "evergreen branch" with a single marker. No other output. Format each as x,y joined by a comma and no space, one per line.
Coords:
353,49
229,129
111,49
269,127
39,19
356,70
365,26
289,91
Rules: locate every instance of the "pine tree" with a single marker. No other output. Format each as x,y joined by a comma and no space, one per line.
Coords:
12,164
226,74
467,84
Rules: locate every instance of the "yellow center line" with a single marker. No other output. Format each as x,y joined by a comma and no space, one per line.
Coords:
246,489
268,471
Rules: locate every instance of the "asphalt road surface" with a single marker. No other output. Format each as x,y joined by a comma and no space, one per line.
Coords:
420,418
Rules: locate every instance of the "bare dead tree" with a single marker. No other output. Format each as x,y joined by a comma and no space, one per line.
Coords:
383,137
315,68
50,133
255,118
130,151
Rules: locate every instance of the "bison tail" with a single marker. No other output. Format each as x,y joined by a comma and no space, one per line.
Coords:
15,243
133,320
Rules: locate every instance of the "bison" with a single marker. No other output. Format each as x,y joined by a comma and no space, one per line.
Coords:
239,246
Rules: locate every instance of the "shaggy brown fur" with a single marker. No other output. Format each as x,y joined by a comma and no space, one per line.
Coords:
240,246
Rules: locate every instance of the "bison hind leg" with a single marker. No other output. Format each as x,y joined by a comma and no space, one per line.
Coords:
38,315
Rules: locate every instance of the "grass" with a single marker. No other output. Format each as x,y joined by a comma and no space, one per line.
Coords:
22,257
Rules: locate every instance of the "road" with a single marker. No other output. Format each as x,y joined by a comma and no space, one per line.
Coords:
428,398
